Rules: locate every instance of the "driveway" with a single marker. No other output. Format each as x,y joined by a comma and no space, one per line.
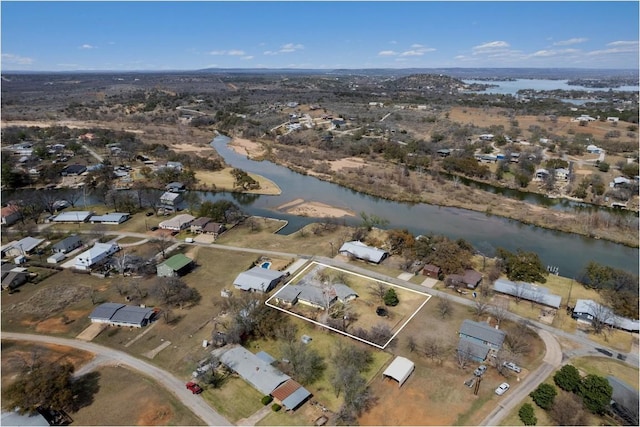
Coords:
551,361
107,356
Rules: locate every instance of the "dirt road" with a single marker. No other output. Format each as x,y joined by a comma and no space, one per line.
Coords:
109,356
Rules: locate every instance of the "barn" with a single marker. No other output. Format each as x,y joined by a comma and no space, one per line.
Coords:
399,370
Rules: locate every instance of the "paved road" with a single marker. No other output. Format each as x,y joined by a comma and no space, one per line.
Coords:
105,355
552,361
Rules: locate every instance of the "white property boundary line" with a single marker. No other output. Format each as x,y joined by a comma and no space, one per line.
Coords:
382,347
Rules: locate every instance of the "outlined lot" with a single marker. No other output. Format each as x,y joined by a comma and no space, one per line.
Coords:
364,306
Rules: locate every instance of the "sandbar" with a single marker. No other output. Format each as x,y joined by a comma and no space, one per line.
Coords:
303,207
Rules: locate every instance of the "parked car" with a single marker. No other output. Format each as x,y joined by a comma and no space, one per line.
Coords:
510,365
480,370
154,228
194,388
149,214
502,389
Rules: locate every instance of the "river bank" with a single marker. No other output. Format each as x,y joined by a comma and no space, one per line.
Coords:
382,180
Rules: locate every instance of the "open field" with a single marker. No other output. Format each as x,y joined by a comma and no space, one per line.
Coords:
223,181
138,399
236,399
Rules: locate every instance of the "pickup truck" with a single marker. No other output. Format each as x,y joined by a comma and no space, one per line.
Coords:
193,387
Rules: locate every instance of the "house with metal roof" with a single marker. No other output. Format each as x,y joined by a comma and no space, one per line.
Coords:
177,223
290,394
73,170
14,279
528,291
472,350
624,400
169,198
175,187
73,216
587,311
67,244
23,246
95,255
399,370
112,218
359,250
177,265
481,334
122,315
260,374
258,279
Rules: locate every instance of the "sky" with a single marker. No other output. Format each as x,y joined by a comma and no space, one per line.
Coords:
163,35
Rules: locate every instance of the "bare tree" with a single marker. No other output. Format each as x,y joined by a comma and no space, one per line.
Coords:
480,308
434,349
519,291
602,317
411,344
567,410
378,290
444,307
161,243
499,311
463,355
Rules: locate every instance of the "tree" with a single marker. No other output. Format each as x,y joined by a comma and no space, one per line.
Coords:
193,201
568,378
499,311
48,385
544,395
444,307
222,211
463,355
378,290
161,244
527,415
568,411
480,307
522,266
370,221
305,363
596,393
603,167
435,349
172,292
391,298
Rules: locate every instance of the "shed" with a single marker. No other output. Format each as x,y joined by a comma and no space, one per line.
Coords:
258,279
399,369
14,279
11,214
56,258
431,270
290,394
175,266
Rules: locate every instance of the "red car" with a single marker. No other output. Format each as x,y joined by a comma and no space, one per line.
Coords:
195,388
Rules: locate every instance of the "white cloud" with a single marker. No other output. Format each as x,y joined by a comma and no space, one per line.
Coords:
387,53
416,46
417,52
624,43
248,57
236,53
285,48
553,52
233,52
490,46
10,58
575,40
87,46
218,52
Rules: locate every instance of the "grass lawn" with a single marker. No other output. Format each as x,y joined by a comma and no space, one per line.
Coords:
224,181
284,418
235,400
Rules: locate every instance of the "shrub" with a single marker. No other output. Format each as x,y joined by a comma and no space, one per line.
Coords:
567,378
266,400
275,407
544,395
596,393
526,415
391,298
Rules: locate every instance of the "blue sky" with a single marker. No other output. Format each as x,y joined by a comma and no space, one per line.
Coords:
153,35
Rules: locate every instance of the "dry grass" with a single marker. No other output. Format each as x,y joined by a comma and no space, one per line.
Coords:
235,400
223,181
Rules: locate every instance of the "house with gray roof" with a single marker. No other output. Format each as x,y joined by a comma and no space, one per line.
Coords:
288,295
95,255
23,246
116,314
67,244
315,296
473,334
260,374
14,279
73,216
359,250
528,291
258,279
624,400
112,218
587,311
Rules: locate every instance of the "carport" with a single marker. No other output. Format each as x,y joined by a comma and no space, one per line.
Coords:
399,369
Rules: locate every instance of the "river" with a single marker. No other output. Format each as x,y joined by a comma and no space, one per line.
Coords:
569,252
511,87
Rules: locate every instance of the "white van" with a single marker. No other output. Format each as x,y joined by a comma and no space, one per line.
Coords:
188,240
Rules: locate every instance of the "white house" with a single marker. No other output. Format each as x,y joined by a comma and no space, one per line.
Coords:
98,253
359,250
562,173
178,222
169,198
112,218
592,149
613,119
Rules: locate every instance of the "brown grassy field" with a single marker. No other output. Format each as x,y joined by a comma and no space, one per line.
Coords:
435,394
224,181
123,398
